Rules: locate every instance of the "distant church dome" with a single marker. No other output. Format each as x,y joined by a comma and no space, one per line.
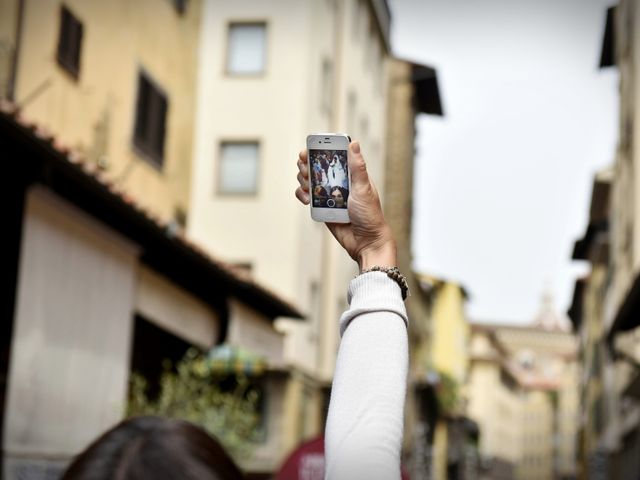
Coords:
548,318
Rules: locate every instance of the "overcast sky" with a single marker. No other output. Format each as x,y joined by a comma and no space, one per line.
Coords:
503,181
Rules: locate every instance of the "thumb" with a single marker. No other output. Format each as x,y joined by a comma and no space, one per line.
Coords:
357,166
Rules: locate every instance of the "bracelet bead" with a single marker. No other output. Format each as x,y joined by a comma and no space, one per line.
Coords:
394,274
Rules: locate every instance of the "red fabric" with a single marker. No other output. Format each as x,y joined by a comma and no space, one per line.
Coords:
307,462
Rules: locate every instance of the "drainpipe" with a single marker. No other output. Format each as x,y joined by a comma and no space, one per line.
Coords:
11,87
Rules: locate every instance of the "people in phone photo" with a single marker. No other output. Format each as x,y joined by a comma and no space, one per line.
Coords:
337,172
339,196
319,196
329,178
319,171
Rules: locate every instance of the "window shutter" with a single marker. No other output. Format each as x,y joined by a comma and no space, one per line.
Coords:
69,42
150,125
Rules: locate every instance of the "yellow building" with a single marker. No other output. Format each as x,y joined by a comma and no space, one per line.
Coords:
443,360
450,328
112,85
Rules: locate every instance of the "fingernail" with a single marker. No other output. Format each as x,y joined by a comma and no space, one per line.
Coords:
355,147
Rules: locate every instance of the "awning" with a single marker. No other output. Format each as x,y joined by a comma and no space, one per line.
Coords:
44,161
608,53
575,311
628,316
427,96
633,387
229,359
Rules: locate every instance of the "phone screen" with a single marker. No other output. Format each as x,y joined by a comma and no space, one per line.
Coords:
329,177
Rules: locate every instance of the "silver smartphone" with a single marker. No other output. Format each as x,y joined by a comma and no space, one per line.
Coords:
329,180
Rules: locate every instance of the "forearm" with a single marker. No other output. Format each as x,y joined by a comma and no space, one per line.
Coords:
365,421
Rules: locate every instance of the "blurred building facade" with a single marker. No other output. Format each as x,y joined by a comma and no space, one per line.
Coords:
155,114
597,368
270,73
606,303
99,288
523,394
413,90
443,363
437,434
115,87
99,125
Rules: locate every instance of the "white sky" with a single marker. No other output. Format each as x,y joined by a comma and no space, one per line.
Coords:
503,181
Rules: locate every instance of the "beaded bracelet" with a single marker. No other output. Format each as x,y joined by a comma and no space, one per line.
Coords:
394,274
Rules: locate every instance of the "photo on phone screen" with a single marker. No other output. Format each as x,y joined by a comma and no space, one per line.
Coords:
329,178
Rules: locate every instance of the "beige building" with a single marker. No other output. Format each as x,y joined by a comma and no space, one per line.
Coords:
270,73
607,302
523,394
590,300
622,325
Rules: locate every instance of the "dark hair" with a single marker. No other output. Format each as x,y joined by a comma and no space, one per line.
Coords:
343,191
154,448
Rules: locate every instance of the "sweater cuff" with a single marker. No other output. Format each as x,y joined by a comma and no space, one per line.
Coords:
373,292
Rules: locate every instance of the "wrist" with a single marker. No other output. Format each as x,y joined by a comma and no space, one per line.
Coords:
383,255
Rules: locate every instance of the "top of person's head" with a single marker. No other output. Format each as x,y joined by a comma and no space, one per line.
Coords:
154,448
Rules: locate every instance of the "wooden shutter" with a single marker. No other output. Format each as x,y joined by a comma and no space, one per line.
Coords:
150,125
70,42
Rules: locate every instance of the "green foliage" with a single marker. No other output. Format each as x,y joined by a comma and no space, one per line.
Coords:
191,391
447,393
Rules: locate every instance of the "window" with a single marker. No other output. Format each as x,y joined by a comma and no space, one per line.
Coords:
151,113
69,42
238,173
247,49
180,6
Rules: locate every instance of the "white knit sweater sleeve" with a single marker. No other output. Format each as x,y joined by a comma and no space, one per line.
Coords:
364,429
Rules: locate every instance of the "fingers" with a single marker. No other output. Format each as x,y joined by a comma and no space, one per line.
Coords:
303,181
357,166
302,196
302,192
303,166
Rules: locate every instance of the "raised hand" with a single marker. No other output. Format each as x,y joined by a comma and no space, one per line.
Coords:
368,238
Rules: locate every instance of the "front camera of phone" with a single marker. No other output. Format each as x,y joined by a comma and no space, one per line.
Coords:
320,141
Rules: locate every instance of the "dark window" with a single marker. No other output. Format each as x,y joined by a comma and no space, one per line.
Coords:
180,6
153,345
151,113
70,42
